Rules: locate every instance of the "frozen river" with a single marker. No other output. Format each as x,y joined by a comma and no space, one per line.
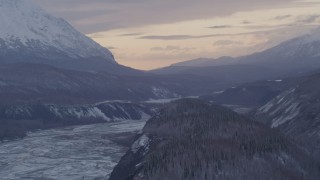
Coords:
71,153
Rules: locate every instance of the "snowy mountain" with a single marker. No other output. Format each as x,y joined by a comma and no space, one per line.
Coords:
29,34
305,46
300,53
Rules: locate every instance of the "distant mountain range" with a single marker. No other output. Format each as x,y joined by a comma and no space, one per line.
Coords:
45,60
296,57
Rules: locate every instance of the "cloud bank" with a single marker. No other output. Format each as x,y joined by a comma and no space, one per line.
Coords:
100,15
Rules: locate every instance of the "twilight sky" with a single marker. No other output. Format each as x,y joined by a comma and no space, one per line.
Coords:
147,34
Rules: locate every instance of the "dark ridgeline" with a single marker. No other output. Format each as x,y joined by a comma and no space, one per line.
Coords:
254,94
190,139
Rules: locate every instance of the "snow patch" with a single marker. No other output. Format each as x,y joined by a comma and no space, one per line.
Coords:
77,112
279,102
266,108
112,101
161,101
19,111
142,142
283,119
290,112
278,80
218,92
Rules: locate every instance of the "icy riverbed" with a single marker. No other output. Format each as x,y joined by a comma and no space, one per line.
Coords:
78,152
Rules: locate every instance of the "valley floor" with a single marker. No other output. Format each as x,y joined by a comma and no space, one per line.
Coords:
78,152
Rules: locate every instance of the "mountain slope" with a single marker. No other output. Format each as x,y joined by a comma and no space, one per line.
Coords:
202,62
17,120
228,75
300,51
296,113
190,139
30,35
36,83
253,94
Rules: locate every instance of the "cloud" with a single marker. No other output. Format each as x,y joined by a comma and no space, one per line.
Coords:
130,34
246,22
157,49
282,17
101,15
220,27
227,43
168,37
267,26
307,2
186,37
171,48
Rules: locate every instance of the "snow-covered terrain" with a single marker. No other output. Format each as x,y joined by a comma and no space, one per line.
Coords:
104,111
23,23
28,34
73,153
307,45
282,108
295,112
141,143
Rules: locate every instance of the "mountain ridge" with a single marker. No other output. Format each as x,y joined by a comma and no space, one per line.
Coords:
296,57
28,34
295,112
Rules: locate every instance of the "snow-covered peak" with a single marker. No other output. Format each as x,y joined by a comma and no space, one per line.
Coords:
312,36
24,24
307,45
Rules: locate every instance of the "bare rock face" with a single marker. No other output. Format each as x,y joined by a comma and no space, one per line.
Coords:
190,139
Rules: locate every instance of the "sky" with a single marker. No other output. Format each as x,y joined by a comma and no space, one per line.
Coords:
148,34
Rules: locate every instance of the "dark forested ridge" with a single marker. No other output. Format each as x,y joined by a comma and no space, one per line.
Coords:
190,139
